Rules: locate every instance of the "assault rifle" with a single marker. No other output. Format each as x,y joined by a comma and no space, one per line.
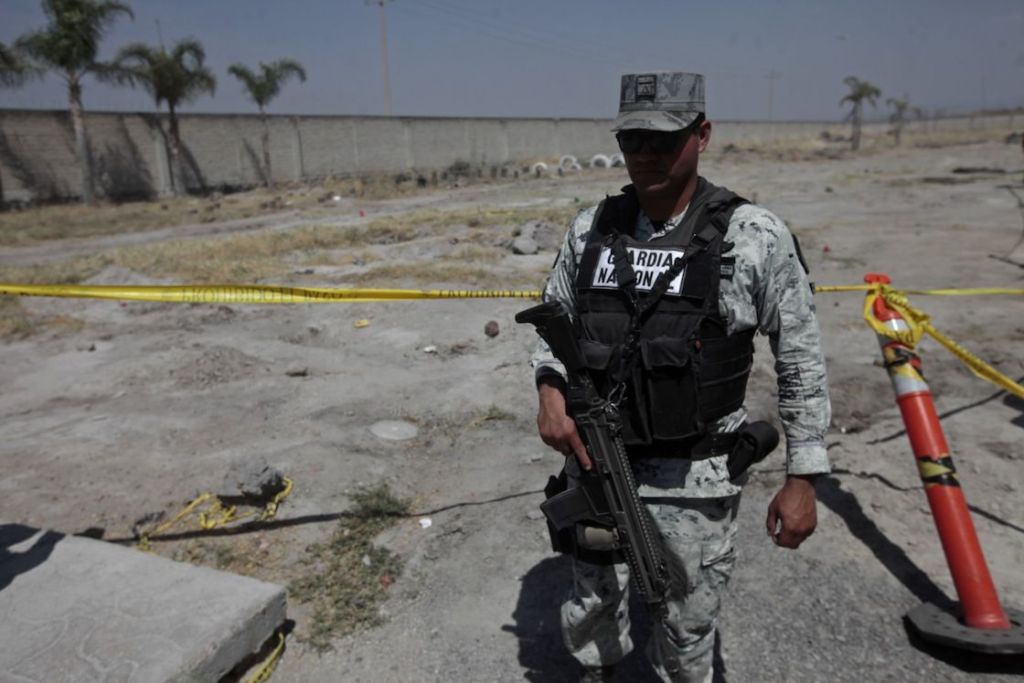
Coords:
606,497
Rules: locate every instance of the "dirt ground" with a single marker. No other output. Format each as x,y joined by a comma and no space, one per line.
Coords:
141,406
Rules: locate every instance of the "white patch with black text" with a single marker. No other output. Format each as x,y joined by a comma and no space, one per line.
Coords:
648,264
647,87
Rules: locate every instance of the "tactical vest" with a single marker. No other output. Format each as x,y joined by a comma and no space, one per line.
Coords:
662,336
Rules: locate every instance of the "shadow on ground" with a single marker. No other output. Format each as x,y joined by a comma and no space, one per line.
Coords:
542,652
13,564
899,564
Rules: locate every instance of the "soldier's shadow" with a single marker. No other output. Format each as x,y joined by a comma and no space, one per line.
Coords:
542,652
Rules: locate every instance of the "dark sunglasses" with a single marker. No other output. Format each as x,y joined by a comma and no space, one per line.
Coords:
631,141
656,142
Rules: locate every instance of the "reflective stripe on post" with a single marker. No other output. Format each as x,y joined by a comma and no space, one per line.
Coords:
979,601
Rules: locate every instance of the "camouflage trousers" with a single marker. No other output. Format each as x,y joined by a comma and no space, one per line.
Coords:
595,617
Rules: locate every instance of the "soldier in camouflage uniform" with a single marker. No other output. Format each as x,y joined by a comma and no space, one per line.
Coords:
693,502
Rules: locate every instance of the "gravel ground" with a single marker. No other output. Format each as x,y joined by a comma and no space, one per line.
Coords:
148,404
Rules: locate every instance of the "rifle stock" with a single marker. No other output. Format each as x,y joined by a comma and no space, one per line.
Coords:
555,327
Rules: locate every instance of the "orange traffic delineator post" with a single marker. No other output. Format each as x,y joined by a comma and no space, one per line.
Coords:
983,624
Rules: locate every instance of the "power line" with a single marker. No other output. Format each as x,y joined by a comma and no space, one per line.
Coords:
503,25
505,34
524,28
509,32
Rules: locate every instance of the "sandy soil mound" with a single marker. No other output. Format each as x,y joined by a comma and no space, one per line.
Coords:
216,365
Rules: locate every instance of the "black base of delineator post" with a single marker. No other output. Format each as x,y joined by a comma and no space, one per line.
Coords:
935,625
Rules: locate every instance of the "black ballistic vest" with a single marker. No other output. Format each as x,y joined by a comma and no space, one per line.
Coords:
684,370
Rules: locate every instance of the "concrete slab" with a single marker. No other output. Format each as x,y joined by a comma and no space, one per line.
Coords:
77,609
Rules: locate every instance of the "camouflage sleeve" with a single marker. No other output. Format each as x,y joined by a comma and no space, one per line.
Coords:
785,312
560,287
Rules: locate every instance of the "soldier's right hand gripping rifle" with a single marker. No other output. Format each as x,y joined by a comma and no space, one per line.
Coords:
606,502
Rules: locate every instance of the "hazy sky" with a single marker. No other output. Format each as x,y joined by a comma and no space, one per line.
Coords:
564,57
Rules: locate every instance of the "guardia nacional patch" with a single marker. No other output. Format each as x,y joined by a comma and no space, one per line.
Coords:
648,263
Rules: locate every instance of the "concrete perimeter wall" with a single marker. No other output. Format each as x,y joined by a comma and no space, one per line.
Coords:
37,159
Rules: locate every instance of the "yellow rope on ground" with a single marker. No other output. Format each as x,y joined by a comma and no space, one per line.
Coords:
919,324
262,674
217,514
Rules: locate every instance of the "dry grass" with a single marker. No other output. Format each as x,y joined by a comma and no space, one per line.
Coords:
235,259
872,142
15,321
847,262
63,221
431,272
269,254
336,258
35,224
946,138
492,413
435,221
66,221
478,253
18,323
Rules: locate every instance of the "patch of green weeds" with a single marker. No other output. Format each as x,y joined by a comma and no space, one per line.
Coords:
209,553
848,261
492,413
348,577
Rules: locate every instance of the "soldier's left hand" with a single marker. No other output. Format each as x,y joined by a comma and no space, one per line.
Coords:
792,514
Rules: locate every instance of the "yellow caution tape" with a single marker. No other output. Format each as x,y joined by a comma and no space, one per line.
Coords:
974,291
254,294
917,320
262,674
919,324
217,514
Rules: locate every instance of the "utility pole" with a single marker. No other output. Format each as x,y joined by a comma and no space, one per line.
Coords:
384,53
772,77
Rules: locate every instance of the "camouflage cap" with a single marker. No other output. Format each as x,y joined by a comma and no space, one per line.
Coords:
665,101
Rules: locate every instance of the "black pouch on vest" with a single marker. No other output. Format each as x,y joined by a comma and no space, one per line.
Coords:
601,360
728,360
670,386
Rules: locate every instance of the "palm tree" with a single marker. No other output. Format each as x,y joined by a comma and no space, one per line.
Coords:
264,87
859,91
899,110
176,77
69,46
14,71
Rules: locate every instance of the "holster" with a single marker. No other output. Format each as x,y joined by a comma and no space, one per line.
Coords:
755,441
